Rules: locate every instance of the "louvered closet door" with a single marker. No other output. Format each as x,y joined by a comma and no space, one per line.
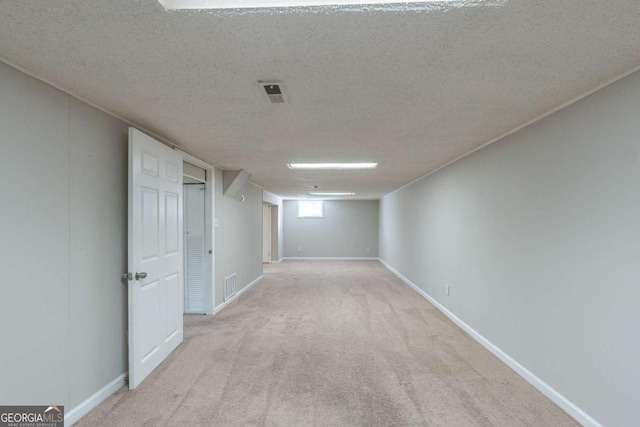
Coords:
194,212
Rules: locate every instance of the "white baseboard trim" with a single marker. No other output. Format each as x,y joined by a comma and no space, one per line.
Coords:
233,298
330,258
564,403
73,416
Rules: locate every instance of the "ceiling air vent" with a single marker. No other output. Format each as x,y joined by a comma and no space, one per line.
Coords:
273,91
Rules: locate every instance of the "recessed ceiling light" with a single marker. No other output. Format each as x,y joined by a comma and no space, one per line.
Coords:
244,4
332,166
332,194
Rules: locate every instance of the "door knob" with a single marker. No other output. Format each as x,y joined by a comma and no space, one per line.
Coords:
141,275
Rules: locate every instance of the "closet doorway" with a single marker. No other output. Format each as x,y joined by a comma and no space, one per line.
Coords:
197,256
266,233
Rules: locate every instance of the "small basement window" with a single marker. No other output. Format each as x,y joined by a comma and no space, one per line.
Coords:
310,209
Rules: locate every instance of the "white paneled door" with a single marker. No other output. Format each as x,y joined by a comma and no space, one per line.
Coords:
155,254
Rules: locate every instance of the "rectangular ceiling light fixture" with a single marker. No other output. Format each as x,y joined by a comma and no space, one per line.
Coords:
332,194
332,166
252,4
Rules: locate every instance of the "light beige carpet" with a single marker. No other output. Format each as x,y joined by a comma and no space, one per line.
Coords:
329,344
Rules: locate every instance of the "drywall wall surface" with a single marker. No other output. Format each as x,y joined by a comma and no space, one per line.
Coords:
63,185
34,248
98,316
238,236
348,229
218,252
63,205
538,237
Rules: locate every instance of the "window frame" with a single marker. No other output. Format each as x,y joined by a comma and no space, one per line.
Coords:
310,215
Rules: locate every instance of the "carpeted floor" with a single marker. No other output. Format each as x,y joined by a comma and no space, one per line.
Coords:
328,343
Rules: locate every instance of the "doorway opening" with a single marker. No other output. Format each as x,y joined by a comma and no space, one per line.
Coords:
270,233
266,233
197,241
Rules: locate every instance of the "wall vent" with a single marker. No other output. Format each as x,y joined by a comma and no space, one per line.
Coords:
230,286
273,91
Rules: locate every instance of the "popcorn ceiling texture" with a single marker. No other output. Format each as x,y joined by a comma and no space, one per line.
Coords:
411,88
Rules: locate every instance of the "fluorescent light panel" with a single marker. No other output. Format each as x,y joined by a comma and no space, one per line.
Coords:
333,194
248,4
332,166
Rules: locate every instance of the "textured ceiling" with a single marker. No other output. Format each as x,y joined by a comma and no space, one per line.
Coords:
411,88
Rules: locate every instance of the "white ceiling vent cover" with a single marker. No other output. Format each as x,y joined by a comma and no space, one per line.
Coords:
273,91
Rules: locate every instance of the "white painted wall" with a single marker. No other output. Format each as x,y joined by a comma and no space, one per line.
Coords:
35,245
238,236
63,212
348,228
98,317
63,222
538,236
